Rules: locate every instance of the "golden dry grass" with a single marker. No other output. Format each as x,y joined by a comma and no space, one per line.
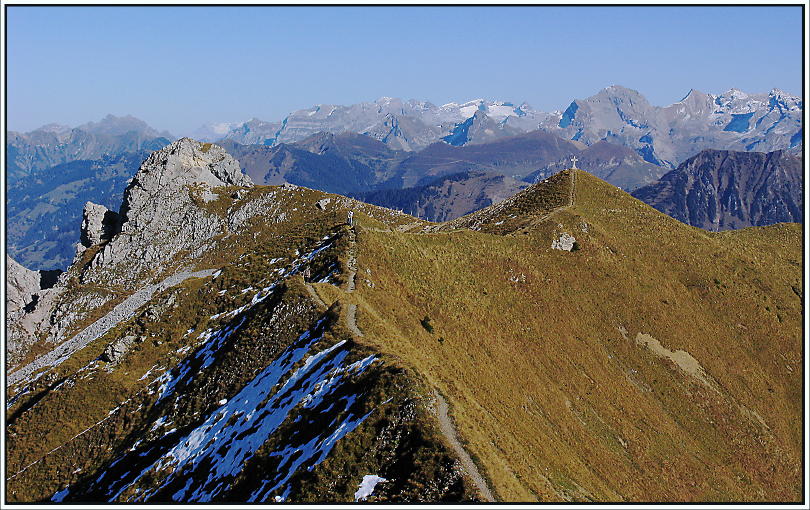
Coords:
548,385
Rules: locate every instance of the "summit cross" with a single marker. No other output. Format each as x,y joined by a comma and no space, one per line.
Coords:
574,161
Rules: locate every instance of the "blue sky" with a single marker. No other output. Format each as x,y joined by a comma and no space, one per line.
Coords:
179,67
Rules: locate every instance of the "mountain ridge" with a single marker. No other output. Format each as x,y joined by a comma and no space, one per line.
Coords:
615,360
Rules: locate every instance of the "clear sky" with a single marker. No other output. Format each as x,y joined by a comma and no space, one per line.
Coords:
179,67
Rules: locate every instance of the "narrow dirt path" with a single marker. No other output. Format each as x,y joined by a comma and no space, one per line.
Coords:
570,199
449,432
351,320
352,263
314,294
351,309
409,226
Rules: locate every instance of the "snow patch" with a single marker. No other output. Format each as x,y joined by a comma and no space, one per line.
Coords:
367,486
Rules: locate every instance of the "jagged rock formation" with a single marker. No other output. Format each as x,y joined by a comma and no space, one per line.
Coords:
21,285
161,213
98,224
29,297
668,135
719,190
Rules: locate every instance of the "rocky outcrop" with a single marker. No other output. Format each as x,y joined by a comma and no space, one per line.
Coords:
185,162
162,211
21,285
720,190
27,306
565,242
117,348
98,224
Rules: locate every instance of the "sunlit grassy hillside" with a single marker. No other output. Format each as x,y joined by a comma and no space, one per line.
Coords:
657,362
653,362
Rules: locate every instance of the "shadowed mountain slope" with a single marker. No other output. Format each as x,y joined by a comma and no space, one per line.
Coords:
719,190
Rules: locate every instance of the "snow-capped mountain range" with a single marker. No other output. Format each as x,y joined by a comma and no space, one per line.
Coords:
662,135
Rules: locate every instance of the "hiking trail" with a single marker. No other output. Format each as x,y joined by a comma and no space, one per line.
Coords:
449,432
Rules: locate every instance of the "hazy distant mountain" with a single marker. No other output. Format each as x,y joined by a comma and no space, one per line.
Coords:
44,209
515,156
352,163
617,164
719,190
447,197
664,135
668,135
54,144
403,125
345,163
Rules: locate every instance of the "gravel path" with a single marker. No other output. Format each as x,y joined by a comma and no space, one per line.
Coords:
446,425
352,263
351,320
351,310
314,294
449,432
123,311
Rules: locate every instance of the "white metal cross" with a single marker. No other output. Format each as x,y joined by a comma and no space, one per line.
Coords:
574,161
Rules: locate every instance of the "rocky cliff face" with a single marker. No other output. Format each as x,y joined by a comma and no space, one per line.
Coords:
28,300
668,135
21,285
719,190
165,211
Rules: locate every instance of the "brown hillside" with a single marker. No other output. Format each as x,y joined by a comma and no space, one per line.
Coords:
656,363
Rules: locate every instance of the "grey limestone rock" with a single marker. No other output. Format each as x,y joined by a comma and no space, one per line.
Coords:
117,348
184,162
564,242
98,224
21,285
161,213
